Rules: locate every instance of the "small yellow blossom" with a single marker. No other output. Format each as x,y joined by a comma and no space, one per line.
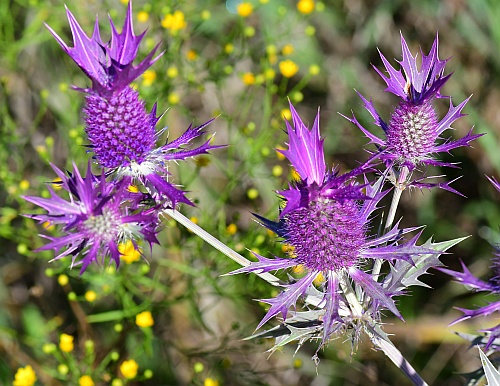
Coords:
85,380
287,49
288,249
305,6
133,189
295,175
128,253
24,184
210,382
248,78
314,69
231,229
124,1
252,193
194,219
63,369
172,72
228,48
173,98
280,155
143,16
310,30
174,21
288,68
286,114
320,279
297,363
90,296
244,9
25,376
298,268
47,225
144,319
129,368
277,170
66,343
191,55
56,183
205,14
269,73
148,77
63,280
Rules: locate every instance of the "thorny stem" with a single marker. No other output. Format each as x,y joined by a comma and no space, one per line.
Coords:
395,356
235,256
400,185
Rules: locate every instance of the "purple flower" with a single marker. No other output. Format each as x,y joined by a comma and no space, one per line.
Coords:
97,218
121,132
492,286
326,221
413,135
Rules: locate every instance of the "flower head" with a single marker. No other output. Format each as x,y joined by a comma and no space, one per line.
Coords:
492,286
326,222
414,131
129,368
98,217
121,132
25,376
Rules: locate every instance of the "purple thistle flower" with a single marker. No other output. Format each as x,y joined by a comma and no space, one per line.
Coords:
492,285
414,131
121,132
97,218
326,220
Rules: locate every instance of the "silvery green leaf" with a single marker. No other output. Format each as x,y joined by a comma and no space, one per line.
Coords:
491,373
404,275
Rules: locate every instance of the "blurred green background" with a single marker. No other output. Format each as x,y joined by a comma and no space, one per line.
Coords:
219,63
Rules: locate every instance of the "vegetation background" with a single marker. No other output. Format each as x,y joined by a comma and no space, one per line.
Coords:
240,68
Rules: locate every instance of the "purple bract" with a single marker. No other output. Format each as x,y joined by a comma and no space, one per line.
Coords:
121,132
326,221
97,218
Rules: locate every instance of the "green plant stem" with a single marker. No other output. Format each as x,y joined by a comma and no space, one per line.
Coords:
398,190
235,256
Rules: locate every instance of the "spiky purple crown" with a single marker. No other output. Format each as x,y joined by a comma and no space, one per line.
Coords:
109,65
414,130
97,218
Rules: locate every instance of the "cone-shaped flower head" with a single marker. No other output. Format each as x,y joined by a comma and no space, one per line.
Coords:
414,131
98,217
326,220
492,285
121,132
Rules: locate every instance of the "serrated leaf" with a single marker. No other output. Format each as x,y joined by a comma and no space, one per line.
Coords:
491,373
404,275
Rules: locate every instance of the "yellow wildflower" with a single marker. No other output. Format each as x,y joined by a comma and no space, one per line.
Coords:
66,343
210,382
173,98
314,69
287,49
25,376
172,72
191,55
85,380
280,156
129,368
174,21
244,9
248,78
286,114
144,319
148,77
320,279
298,268
90,296
63,280
252,193
305,6
231,229
143,16
288,68
228,48
128,253
133,189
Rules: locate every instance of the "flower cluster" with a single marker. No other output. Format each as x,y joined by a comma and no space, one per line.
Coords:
103,214
413,134
326,221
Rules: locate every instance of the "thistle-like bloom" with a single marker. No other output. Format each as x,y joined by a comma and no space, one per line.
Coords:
492,286
121,132
98,216
413,135
326,220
